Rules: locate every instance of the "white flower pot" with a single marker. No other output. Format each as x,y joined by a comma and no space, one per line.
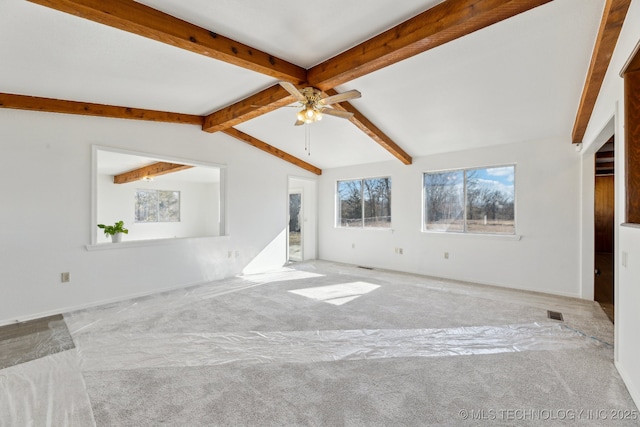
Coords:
116,238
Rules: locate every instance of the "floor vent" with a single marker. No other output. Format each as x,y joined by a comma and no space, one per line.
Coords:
366,268
555,315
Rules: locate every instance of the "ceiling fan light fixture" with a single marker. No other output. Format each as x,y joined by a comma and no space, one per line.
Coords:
313,104
310,113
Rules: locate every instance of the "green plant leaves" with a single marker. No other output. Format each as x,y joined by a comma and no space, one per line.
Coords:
110,230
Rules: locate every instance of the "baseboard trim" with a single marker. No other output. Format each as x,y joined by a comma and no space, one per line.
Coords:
463,280
100,302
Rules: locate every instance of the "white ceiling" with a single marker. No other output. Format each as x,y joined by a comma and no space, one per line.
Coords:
302,37
518,80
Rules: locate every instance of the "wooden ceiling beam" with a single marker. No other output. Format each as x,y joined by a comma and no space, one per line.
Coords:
153,170
271,150
615,11
372,130
34,103
634,64
434,27
255,105
49,105
441,24
136,18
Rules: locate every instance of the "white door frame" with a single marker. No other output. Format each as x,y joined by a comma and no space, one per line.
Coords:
309,220
299,191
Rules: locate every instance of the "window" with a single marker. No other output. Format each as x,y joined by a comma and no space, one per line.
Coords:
478,200
157,206
364,203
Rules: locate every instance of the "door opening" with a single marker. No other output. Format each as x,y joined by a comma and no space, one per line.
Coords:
604,227
295,228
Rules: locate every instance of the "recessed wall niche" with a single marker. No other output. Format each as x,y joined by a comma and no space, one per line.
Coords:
196,189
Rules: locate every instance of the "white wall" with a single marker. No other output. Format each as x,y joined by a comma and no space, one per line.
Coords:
546,258
627,240
199,206
45,183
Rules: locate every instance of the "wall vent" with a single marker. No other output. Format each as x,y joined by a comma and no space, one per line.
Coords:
555,315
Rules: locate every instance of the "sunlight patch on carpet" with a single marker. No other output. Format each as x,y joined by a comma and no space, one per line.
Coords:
337,294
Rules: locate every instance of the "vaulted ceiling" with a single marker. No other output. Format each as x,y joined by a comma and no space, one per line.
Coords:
435,76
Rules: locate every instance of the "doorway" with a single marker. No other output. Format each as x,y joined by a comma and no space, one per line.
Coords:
295,234
604,216
302,212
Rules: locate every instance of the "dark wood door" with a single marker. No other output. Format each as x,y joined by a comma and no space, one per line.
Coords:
604,229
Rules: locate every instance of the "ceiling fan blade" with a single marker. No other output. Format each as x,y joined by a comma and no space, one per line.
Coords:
336,113
298,123
290,87
351,94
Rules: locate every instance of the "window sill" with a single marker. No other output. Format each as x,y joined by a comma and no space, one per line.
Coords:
365,228
514,237
630,225
107,246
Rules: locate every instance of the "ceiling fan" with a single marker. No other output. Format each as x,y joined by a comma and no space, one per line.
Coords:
314,106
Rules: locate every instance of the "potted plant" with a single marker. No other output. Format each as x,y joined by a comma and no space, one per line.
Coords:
115,231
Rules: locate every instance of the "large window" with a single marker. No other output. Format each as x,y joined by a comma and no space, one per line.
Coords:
478,200
364,203
157,205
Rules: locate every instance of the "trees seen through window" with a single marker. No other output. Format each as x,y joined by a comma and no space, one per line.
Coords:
364,203
478,200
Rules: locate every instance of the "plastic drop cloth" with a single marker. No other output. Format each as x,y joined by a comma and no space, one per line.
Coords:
29,341
137,351
49,391
136,334
132,314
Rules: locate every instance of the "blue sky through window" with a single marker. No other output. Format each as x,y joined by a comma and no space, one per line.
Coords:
500,178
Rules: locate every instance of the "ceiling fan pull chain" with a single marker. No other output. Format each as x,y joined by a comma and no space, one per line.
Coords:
307,139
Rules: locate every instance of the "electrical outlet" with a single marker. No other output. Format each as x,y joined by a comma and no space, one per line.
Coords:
446,255
353,246
237,254
400,251
229,254
624,259
65,277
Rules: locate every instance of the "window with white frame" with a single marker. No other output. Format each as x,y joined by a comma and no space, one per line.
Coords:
157,206
364,203
478,200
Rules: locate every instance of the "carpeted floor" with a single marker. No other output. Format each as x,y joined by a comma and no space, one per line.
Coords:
326,344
